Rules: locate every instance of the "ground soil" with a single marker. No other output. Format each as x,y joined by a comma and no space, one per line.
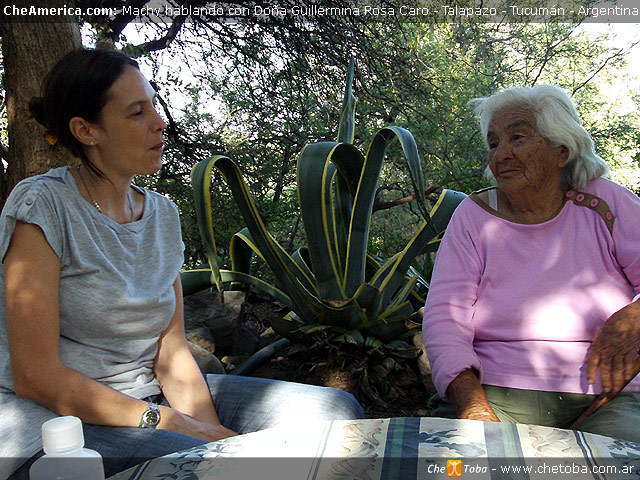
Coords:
411,401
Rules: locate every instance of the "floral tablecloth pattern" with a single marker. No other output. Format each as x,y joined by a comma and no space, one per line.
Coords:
401,448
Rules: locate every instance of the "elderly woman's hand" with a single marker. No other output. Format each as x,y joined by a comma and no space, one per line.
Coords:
615,349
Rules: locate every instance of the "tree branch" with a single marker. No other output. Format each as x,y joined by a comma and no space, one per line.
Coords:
4,153
165,41
393,203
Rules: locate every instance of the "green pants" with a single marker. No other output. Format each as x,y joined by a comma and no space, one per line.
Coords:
618,419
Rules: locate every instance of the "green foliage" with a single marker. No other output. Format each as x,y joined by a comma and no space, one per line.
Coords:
332,285
263,93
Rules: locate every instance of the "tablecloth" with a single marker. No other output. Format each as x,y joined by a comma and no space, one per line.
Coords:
401,448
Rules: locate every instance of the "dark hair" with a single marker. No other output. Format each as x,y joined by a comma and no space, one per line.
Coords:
77,86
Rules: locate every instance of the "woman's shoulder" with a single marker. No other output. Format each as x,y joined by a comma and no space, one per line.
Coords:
159,200
32,189
58,175
613,193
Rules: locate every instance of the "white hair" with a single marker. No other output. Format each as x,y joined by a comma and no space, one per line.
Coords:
556,119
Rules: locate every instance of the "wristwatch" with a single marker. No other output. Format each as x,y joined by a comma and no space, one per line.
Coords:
150,417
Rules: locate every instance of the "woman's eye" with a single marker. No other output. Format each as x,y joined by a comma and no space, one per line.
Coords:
139,112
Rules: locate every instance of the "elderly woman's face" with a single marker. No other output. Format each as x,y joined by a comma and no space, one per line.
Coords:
519,157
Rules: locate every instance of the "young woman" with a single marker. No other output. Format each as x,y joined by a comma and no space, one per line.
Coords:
91,319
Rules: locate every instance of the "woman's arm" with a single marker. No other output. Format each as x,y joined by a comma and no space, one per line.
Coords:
182,383
448,329
32,279
468,397
32,275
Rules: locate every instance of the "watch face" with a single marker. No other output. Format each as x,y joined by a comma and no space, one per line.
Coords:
151,417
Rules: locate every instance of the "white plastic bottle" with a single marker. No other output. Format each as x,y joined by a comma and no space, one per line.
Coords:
65,458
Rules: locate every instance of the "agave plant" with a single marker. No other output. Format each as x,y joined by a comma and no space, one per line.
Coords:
332,284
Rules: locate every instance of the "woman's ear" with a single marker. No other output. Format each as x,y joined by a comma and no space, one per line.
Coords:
82,130
564,155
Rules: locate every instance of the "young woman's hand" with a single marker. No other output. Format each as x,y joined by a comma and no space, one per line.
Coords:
178,422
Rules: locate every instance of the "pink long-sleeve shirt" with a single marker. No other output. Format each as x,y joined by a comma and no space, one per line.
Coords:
521,303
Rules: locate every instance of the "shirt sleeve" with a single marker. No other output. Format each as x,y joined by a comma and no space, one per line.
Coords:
30,202
447,328
626,235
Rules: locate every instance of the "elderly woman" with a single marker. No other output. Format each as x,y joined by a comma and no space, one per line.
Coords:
531,311
91,318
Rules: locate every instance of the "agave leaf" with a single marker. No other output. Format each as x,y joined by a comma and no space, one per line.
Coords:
286,270
442,211
369,299
201,181
267,332
315,179
353,336
402,349
404,292
363,203
416,300
288,328
199,280
241,250
372,267
348,161
441,214
415,167
398,345
196,281
346,130
403,310
314,328
387,329
373,342
261,285
307,329
384,270
342,313
244,237
301,257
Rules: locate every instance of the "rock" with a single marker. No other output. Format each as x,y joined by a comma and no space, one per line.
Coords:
202,337
222,320
207,361
249,341
423,364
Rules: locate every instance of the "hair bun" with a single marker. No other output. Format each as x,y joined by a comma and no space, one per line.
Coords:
36,108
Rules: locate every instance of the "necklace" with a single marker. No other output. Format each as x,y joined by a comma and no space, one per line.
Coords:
96,204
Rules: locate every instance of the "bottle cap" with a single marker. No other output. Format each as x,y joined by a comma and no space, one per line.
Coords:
62,434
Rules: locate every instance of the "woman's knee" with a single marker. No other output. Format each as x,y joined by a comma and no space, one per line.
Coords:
345,405
618,419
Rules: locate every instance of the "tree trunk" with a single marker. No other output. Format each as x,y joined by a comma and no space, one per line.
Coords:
30,48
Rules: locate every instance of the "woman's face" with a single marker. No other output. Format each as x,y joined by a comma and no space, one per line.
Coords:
129,132
519,157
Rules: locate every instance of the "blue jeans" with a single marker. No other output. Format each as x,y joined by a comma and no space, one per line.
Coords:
244,404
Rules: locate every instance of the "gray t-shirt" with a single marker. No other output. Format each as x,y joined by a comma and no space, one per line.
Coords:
116,296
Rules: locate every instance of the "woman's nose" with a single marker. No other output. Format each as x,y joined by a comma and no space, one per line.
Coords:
502,151
159,124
